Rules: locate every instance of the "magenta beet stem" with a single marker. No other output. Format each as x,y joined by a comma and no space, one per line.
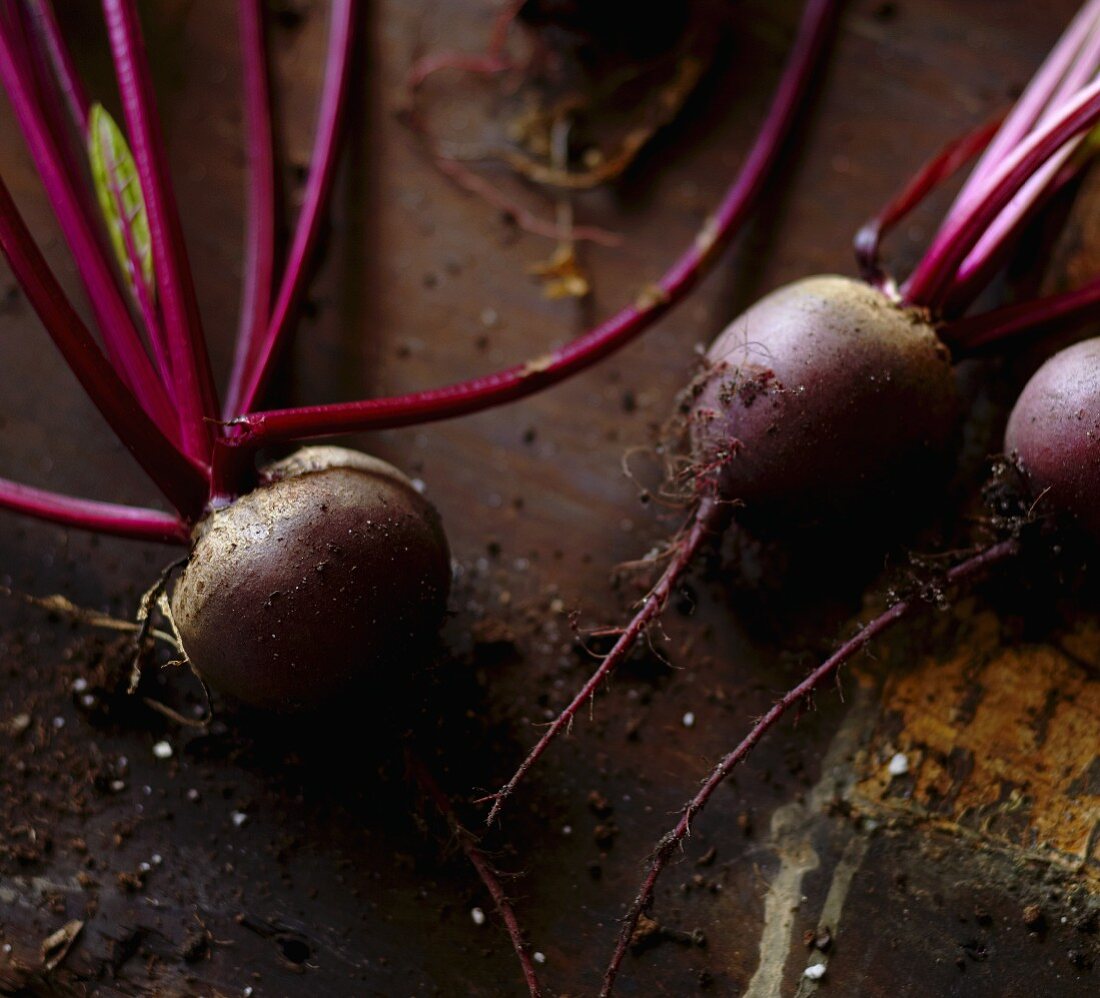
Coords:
60,87
986,256
76,99
194,383
1031,106
259,240
825,672
184,484
89,514
120,336
933,278
1065,310
524,379
940,168
265,350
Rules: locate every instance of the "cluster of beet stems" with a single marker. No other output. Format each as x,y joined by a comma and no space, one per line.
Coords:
150,376
151,379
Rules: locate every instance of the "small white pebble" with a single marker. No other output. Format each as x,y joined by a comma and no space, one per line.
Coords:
59,722
239,818
118,786
193,795
538,957
489,317
567,829
156,859
688,720
418,484
162,750
7,947
899,765
247,992
814,972
80,684
88,700
478,916
144,867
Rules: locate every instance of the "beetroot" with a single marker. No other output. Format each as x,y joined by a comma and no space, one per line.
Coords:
808,401
1054,435
333,567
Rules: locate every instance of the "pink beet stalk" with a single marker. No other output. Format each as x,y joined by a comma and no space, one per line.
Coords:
76,99
1066,310
259,243
120,335
195,394
941,167
58,79
521,380
968,569
933,277
1026,161
88,514
178,478
248,383
1033,102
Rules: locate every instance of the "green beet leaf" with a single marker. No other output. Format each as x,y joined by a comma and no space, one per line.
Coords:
121,200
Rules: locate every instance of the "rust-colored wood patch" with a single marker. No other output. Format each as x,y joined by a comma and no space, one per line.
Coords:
999,739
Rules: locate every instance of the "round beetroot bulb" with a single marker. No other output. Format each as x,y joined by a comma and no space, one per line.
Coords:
822,397
333,569
1054,434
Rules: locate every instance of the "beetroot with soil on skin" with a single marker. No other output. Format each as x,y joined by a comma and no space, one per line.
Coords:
822,399
334,568
823,396
1054,435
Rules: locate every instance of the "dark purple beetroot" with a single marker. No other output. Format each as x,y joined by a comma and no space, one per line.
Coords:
333,569
823,397
1054,434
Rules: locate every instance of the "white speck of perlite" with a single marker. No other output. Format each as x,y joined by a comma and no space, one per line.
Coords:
239,818
688,720
478,916
539,957
80,684
814,972
162,750
899,765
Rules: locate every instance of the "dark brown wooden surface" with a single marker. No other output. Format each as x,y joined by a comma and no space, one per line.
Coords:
337,881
